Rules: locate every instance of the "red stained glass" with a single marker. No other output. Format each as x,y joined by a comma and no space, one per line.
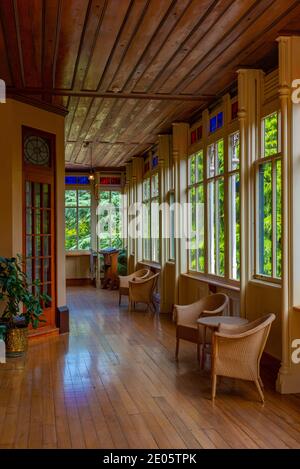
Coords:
193,136
105,181
234,110
115,181
199,132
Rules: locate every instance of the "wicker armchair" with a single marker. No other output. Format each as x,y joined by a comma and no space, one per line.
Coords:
237,351
141,291
186,317
124,281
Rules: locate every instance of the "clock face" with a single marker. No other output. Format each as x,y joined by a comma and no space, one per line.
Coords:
37,151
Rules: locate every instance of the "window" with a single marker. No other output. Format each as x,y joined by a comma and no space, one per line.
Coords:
74,180
196,212
78,219
234,205
269,203
109,229
216,122
214,208
151,218
172,226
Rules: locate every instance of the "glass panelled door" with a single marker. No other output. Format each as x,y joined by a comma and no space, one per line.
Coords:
39,242
39,216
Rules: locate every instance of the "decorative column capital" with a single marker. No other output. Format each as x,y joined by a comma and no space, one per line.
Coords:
175,155
284,91
242,114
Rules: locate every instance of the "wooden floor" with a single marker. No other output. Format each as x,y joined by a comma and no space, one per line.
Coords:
114,383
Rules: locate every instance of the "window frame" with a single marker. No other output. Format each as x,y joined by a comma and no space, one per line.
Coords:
110,189
150,200
230,126
231,173
272,279
195,186
171,214
78,188
171,195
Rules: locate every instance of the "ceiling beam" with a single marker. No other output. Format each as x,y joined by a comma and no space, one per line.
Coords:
119,95
104,142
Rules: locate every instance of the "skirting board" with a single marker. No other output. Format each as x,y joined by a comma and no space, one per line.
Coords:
79,282
62,319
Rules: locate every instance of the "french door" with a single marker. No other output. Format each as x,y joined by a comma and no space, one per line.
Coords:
39,239
39,216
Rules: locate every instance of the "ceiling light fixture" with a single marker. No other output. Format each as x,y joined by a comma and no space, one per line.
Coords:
115,89
91,175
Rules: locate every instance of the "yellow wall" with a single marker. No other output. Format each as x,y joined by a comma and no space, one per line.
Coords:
263,298
13,115
6,176
78,266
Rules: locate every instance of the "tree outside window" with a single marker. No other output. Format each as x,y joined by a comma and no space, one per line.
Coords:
78,219
109,223
269,217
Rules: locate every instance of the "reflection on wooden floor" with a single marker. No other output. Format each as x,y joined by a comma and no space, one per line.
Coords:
114,383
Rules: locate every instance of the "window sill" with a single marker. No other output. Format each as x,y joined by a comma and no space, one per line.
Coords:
264,283
212,281
77,253
296,308
154,265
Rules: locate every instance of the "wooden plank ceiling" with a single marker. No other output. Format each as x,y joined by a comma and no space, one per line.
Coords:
127,69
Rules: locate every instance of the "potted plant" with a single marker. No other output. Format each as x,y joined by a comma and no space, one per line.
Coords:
23,304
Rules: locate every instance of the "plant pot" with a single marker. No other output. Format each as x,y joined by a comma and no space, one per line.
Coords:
16,341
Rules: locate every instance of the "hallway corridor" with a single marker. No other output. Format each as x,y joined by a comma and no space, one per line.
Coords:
114,383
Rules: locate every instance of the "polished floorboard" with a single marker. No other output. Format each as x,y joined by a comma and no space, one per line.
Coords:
113,383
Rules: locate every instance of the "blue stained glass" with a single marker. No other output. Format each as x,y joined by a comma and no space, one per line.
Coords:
154,161
83,180
213,124
73,180
70,179
220,120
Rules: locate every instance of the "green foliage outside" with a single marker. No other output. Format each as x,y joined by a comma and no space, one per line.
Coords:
110,220
78,219
219,230
268,171
122,262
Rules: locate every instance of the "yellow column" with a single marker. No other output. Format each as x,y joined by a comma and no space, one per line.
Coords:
249,98
163,163
288,380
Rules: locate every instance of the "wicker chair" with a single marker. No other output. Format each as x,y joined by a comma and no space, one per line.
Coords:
141,291
186,318
124,281
237,351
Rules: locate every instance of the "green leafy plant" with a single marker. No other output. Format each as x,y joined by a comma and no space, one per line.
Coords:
122,262
15,292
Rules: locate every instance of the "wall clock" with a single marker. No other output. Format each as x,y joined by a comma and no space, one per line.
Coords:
37,150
